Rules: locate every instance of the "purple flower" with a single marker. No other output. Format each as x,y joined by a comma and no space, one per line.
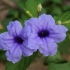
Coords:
43,34
15,42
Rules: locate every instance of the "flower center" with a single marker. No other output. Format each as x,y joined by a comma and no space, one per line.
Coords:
18,39
43,33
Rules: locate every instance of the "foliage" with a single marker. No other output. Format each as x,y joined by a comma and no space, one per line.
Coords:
22,64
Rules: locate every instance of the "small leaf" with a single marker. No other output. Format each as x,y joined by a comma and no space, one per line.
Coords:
31,5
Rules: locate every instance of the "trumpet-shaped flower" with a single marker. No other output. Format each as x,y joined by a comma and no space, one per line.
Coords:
44,34
14,42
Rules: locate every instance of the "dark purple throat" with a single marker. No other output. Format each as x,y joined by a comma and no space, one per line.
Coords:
18,39
43,33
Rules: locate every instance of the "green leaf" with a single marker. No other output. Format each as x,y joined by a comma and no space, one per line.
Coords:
22,64
53,66
65,19
64,46
54,59
21,3
31,5
56,10
41,1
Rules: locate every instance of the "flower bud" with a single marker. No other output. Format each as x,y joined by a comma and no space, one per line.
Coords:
59,22
29,14
39,8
